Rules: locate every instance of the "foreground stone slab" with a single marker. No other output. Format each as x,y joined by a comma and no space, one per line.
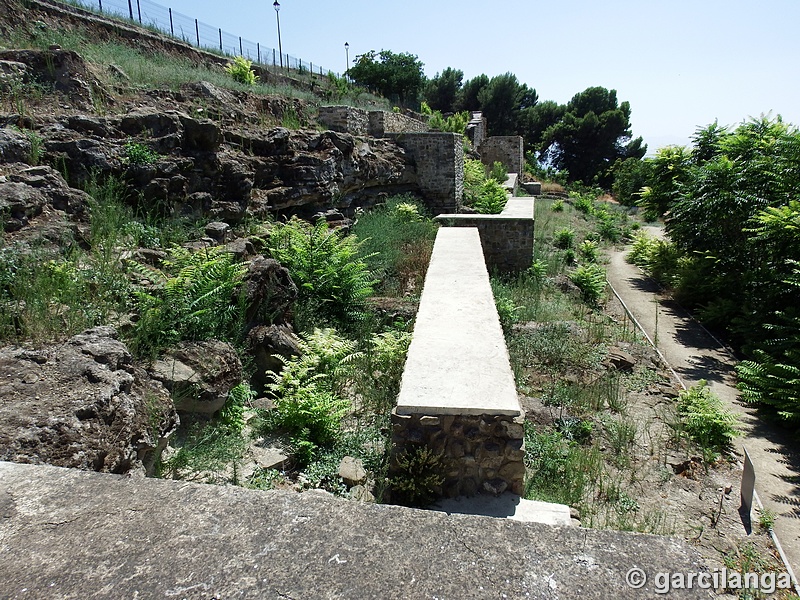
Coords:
508,506
70,534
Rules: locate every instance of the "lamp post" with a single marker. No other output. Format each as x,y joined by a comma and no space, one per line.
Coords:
347,51
277,6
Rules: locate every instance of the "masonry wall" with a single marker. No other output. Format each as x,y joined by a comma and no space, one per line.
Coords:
507,150
476,129
479,453
507,242
382,123
439,159
344,119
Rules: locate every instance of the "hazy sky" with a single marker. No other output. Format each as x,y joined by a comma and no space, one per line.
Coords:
680,63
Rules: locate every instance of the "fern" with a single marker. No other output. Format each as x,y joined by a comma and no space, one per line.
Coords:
199,302
332,277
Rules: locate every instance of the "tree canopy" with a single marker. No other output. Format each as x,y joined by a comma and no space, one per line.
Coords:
398,77
591,135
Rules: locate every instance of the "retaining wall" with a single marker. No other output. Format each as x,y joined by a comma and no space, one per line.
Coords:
439,159
506,239
458,395
382,123
507,150
344,119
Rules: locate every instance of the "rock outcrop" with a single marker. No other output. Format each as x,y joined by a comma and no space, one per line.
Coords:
82,404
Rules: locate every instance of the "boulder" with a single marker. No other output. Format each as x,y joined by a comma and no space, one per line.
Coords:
619,359
14,146
199,375
82,404
265,344
269,292
352,472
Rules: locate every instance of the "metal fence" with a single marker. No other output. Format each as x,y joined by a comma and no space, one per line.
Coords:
195,32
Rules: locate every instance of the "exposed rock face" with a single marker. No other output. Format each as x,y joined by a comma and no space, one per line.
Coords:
82,404
207,170
64,70
199,374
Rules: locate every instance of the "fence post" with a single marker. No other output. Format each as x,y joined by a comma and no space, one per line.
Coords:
130,9
220,40
171,27
139,10
258,51
273,57
100,2
197,31
241,53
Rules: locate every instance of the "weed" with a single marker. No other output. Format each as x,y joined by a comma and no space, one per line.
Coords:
766,518
557,205
591,280
416,477
588,250
564,238
706,420
240,70
136,153
498,172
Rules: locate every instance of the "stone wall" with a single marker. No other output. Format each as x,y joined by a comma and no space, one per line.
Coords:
476,129
506,239
480,453
439,160
382,123
504,149
344,119
458,396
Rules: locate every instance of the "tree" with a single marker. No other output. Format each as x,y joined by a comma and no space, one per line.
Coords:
468,96
441,92
501,101
592,135
398,77
535,120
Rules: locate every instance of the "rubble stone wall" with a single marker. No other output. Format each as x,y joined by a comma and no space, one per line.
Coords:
507,150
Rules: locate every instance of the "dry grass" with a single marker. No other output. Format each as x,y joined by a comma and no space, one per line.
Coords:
550,187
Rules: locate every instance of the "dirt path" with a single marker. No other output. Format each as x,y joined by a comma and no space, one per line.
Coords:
694,354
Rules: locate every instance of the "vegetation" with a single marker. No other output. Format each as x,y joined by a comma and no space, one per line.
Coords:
398,77
707,421
241,71
732,211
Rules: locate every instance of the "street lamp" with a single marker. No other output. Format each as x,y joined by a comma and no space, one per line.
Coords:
347,50
277,6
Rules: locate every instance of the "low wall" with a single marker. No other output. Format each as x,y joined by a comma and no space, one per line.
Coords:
439,160
507,150
458,395
344,119
382,123
506,239
476,129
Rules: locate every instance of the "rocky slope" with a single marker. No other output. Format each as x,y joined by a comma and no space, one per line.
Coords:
210,153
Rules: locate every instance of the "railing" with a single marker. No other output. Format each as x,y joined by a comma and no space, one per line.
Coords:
195,32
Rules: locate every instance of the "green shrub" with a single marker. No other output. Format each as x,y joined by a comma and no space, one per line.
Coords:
308,404
492,199
241,71
416,477
564,238
198,302
706,420
588,250
498,172
408,212
331,273
557,205
232,414
591,280
583,203
136,153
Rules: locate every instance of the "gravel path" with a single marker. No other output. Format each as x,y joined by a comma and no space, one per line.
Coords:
694,354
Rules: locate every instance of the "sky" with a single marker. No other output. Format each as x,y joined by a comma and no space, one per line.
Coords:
681,64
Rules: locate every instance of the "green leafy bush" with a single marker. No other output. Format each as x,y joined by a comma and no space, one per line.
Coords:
196,299
706,420
591,280
308,404
492,199
416,477
564,238
331,273
241,71
232,414
498,172
588,250
557,205
136,153
583,203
